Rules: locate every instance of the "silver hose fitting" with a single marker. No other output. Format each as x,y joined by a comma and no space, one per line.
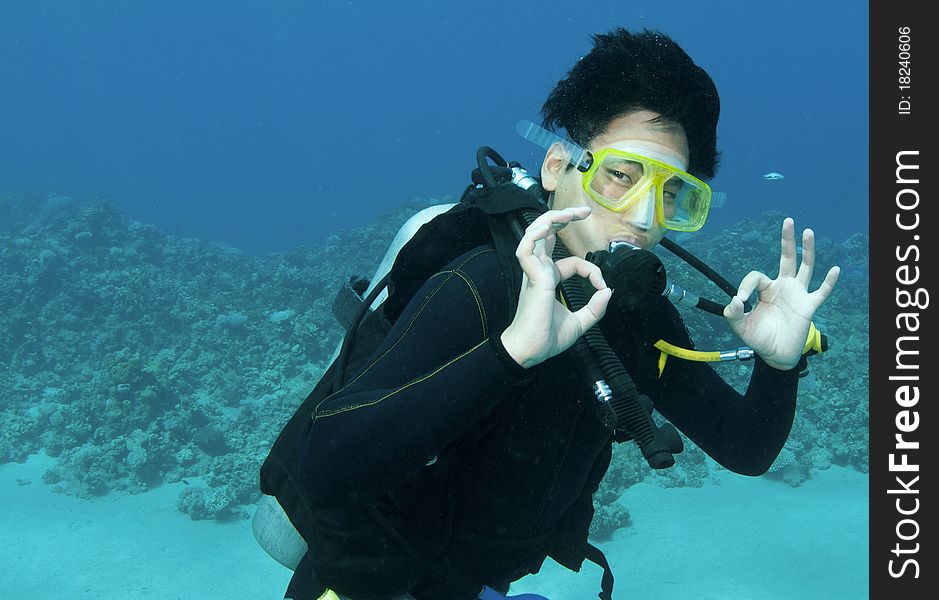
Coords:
602,391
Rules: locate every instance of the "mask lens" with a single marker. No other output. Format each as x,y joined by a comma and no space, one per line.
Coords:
685,203
673,192
614,179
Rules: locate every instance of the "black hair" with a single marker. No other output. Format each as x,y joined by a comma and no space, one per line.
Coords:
627,71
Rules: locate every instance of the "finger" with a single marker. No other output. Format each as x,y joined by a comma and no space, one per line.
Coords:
787,256
529,241
593,311
558,219
535,249
808,258
573,265
754,280
544,244
734,309
530,252
550,239
827,287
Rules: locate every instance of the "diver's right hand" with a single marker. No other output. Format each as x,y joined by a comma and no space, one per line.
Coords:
543,327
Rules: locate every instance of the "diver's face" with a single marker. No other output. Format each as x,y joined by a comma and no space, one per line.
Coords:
637,224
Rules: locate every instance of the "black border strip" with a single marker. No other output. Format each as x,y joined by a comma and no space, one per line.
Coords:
904,263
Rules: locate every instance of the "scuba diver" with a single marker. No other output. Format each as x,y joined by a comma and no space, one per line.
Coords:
457,440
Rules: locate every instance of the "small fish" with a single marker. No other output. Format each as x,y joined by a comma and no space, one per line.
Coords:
718,199
774,176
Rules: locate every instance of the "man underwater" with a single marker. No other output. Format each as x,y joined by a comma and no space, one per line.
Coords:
464,449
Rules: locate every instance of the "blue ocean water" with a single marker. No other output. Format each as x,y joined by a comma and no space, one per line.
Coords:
152,344
266,127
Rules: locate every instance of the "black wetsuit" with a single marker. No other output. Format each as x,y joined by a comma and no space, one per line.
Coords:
489,467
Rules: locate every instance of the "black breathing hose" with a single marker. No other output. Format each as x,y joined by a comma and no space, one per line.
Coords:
621,405
705,270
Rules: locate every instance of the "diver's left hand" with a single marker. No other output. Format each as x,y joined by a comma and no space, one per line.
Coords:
777,327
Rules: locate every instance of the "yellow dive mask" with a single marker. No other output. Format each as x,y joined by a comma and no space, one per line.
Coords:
616,178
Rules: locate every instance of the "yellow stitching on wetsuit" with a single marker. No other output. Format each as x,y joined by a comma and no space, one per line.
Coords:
402,388
416,315
406,329
478,298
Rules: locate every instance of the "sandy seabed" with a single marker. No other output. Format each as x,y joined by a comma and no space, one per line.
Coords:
735,538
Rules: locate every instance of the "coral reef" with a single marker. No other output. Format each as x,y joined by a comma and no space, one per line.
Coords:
137,358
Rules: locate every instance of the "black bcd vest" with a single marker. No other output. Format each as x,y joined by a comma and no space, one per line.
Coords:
362,560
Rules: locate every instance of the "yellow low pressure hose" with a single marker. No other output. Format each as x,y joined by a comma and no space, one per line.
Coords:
813,343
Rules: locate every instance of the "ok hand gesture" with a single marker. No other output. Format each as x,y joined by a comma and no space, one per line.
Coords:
778,325
543,327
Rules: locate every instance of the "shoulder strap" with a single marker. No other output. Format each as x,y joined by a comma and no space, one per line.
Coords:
485,215
596,556
503,206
